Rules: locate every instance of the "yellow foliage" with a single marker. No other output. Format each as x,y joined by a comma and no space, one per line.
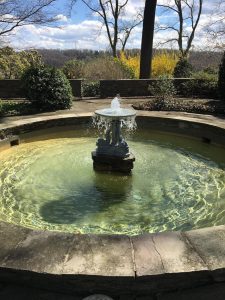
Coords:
132,62
163,63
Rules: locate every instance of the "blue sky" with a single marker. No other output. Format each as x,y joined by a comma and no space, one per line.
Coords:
82,29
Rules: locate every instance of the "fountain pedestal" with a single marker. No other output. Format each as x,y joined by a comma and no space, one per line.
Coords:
112,152
113,163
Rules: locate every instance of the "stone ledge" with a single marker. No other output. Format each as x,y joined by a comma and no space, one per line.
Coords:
154,262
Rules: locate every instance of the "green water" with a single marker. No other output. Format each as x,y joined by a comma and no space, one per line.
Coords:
176,184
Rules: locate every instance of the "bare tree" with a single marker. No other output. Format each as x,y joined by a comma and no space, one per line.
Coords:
183,25
216,23
147,39
112,15
17,13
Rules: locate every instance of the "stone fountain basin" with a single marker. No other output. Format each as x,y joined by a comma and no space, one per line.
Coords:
149,264
116,113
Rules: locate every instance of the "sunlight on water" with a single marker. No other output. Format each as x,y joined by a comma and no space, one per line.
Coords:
50,184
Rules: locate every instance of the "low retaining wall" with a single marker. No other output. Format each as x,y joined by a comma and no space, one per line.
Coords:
12,88
136,87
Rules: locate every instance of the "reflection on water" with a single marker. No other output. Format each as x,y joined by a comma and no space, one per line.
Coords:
177,184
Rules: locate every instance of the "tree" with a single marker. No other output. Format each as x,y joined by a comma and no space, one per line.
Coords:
17,13
73,69
13,64
112,16
183,69
216,23
183,25
147,39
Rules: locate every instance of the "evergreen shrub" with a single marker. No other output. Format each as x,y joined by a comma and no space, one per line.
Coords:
48,88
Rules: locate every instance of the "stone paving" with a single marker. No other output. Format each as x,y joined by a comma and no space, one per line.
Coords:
164,266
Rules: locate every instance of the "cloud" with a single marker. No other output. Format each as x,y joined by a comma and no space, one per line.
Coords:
90,33
61,18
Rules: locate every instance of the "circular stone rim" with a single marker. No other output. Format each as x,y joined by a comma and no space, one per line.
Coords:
197,258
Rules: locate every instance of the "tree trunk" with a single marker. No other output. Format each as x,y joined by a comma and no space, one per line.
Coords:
147,39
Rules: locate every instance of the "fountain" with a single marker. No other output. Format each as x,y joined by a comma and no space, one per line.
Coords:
112,152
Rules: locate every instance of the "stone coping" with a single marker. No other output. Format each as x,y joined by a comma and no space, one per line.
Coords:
145,264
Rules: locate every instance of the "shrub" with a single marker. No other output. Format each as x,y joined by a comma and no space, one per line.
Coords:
105,68
183,69
203,85
164,63
48,88
163,88
15,108
194,106
73,69
221,78
90,88
131,63
13,64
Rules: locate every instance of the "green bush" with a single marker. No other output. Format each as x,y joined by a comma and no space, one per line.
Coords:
73,69
48,88
202,85
183,69
90,88
221,78
192,106
163,88
16,108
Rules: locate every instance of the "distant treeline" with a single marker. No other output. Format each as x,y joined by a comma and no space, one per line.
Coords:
57,58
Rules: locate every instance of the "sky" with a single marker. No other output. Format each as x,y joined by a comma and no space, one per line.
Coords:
82,29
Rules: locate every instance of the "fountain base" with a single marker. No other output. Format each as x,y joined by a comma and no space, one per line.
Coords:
113,163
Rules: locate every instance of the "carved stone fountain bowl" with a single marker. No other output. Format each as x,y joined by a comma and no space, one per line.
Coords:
116,113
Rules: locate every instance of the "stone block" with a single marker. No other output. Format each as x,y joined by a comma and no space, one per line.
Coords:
40,251
113,163
102,255
10,236
210,245
165,253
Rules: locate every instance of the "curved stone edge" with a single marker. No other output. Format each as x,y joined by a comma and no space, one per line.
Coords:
154,262
148,263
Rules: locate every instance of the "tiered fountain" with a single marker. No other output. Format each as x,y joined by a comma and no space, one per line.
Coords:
112,152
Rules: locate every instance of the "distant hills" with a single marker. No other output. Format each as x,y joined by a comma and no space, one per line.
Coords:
56,57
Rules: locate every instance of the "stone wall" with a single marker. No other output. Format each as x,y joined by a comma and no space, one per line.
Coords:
130,87
12,88
76,85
